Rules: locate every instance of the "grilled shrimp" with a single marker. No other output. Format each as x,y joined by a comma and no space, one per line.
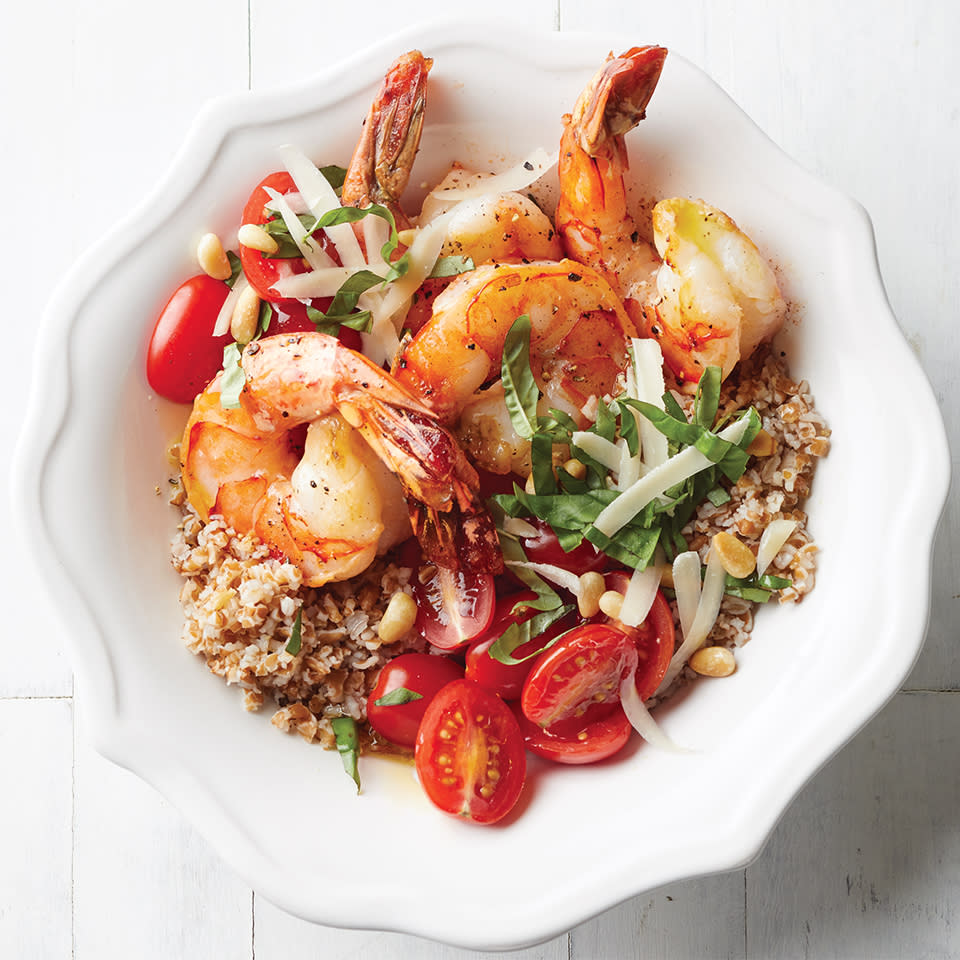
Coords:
579,339
712,298
331,501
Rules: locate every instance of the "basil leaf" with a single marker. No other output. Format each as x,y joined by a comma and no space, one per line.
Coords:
521,392
334,175
718,496
679,431
541,461
518,634
397,697
629,430
546,597
233,378
771,582
673,408
286,247
236,268
606,423
450,267
707,399
266,315
329,324
293,647
340,215
348,745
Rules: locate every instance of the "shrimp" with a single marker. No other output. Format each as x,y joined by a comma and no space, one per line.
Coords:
331,501
712,298
383,158
579,340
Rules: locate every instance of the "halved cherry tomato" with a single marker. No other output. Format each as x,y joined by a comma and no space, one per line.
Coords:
544,547
418,672
453,606
600,733
469,755
507,679
183,355
585,667
654,637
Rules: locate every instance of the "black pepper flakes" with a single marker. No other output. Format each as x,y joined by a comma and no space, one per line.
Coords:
574,277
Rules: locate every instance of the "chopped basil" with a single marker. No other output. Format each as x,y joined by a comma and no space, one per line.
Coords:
334,175
293,647
266,315
450,267
287,248
348,745
521,392
236,267
397,697
546,597
233,377
518,634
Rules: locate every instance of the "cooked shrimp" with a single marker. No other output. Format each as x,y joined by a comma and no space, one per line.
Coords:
712,299
331,506
380,167
579,338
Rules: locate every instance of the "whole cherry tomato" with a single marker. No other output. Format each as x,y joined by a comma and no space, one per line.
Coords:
470,757
420,673
183,355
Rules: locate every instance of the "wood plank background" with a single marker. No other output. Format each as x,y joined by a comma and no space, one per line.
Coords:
95,99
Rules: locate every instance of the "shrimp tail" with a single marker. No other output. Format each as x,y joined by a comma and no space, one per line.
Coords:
381,164
616,99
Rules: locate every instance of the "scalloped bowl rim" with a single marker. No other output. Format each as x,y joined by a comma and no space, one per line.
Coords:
124,737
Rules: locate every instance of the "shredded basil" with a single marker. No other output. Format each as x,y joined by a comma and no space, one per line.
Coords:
334,175
520,389
450,267
293,647
348,745
517,634
397,697
233,378
236,267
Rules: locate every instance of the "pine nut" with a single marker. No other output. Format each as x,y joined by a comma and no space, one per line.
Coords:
246,314
611,603
592,589
398,619
252,235
713,662
213,258
529,487
735,556
762,445
576,468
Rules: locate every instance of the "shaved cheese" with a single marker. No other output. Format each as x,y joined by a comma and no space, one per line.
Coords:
423,255
518,527
641,592
686,585
647,369
558,575
673,471
599,448
641,720
293,199
631,469
317,283
714,582
772,540
226,311
527,171
376,232
312,253
381,343
321,198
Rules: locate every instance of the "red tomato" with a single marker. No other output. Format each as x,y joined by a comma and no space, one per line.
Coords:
469,755
585,667
545,548
183,355
453,606
600,733
418,672
654,637
506,679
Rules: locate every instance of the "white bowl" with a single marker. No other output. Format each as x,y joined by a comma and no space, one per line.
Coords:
284,814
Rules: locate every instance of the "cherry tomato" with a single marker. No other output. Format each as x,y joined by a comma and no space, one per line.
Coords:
544,547
418,672
469,755
263,272
600,733
506,679
584,667
453,606
654,637
183,355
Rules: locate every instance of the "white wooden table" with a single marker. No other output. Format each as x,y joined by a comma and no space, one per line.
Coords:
94,100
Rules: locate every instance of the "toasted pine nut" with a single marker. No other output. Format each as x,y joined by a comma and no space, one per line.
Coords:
246,314
399,617
576,468
528,486
666,577
592,589
213,258
762,445
735,556
406,237
713,662
252,235
611,603
351,414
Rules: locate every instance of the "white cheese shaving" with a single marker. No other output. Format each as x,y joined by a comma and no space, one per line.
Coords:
293,199
317,283
673,471
772,540
686,585
423,253
647,369
518,527
311,251
601,449
641,592
558,575
226,311
519,176
641,720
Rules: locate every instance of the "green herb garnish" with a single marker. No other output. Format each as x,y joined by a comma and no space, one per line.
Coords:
397,697
233,378
450,267
293,647
235,268
348,745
